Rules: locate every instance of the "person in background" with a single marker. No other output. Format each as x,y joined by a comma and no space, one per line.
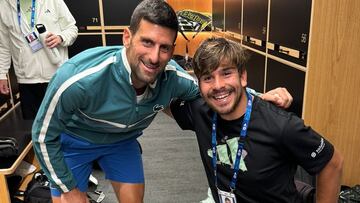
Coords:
249,147
21,47
99,102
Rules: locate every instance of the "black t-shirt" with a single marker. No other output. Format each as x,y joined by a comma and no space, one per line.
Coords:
277,142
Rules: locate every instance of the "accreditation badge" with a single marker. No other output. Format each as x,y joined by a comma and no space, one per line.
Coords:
33,41
226,197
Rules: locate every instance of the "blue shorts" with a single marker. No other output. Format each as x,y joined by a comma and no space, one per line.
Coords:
120,161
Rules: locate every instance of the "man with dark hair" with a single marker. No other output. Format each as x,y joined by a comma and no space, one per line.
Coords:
250,148
101,100
158,14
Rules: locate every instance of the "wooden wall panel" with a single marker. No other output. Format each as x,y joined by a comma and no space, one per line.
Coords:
197,5
333,80
180,48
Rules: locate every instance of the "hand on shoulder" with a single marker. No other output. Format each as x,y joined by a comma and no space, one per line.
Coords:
279,96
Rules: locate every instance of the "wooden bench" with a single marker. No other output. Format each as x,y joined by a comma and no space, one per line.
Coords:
12,125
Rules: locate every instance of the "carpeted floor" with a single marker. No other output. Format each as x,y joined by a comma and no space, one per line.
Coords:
172,165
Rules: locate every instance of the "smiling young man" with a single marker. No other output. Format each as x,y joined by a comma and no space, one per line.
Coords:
250,148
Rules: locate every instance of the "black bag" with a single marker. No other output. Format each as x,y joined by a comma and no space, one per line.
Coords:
38,189
349,194
8,147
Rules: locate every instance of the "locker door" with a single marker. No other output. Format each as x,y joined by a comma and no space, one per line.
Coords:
118,12
84,42
85,15
114,39
233,16
218,14
281,75
255,23
289,29
256,71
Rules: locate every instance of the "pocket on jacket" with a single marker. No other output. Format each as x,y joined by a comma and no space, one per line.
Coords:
28,64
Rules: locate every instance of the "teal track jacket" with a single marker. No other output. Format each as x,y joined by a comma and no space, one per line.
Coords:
91,97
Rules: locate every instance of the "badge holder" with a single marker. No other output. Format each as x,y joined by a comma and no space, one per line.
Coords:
34,42
226,197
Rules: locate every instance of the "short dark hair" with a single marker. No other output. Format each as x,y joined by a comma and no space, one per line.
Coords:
155,11
213,51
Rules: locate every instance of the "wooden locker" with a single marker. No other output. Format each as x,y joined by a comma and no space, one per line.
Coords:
84,42
256,71
218,15
87,16
114,39
118,12
233,16
289,29
281,75
255,23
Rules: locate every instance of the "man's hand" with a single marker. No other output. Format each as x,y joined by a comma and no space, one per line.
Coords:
279,96
52,40
4,87
74,195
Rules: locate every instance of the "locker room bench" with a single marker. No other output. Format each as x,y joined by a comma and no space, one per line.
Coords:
12,125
